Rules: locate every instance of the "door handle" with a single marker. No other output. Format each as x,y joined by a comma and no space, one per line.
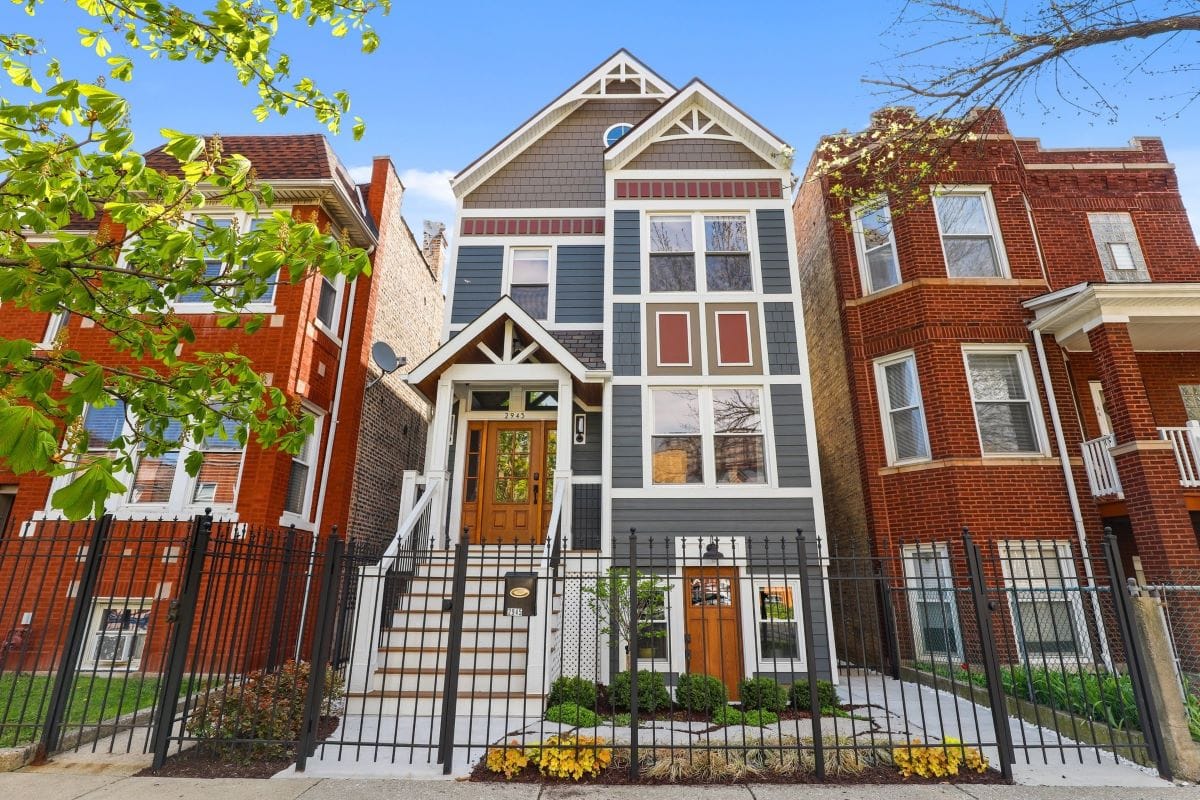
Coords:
535,493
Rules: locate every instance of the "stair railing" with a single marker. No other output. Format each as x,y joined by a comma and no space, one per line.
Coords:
540,674
374,599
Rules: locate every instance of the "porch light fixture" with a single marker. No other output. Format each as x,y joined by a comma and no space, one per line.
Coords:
712,552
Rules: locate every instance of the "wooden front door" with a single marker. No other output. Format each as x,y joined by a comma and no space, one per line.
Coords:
506,497
713,630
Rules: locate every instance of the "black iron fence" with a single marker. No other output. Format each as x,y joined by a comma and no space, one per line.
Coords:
672,657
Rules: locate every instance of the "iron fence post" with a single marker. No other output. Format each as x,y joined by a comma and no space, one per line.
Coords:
453,658
991,658
182,615
810,655
285,565
633,655
891,636
322,638
64,679
1134,658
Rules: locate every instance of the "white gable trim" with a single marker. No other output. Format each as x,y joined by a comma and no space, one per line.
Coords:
625,65
505,307
697,96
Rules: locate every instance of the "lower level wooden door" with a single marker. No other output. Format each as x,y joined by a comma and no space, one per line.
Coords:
713,629
508,485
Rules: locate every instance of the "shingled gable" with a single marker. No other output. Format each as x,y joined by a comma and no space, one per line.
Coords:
487,329
728,122
621,67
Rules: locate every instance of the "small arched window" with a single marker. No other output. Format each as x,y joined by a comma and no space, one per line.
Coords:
615,132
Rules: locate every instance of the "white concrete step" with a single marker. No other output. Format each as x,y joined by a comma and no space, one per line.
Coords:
430,703
444,586
436,618
490,681
501,658
438,635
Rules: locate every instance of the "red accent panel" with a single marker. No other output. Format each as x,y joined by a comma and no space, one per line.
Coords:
674,338
649,190
733,338
533,226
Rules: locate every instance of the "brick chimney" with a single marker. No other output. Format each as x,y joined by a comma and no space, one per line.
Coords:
433,245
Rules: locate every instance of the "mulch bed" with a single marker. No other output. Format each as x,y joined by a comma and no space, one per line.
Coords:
619,776
204,761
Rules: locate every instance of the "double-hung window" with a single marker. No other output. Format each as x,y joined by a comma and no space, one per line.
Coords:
119,631
905,435
778,625
103,426
1001,384
327,303
213,265
529,282
970,235
1044,599
876,242
217,480
930,589
300,477
724,265
154,476
694,428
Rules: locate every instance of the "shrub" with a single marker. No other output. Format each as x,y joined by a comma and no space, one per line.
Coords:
510,759
727,715
827,696
700,692
760,718
568,689
764,693
267,709
622,720
571,756
937,760
572,714
652,692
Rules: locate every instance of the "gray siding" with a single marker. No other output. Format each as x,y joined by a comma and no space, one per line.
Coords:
585,458
579,284
585,516
477,277
783,353
773,251
698,154
791,446
627,437
627,339
627,252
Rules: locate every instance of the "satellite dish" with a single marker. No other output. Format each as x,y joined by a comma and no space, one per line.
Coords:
385,357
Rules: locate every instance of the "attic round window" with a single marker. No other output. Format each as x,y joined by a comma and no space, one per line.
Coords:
615,132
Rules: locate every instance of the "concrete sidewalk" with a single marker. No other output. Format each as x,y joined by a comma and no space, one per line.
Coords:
47,783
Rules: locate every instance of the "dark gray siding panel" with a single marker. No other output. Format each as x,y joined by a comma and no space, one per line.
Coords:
627,437
476,281
585,458
773,251
791,446
585,516
627,339
579,284
627,252
783,353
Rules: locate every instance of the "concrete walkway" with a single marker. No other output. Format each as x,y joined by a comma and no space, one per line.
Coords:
50,783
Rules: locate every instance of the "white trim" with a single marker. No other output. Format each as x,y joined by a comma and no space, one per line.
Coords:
510,256
88,658
1032,395
885,406
860,243
687,316
749,338
244,221
993,221
339,286
697,213
54,326
306,515
707,436
1096,391
751,582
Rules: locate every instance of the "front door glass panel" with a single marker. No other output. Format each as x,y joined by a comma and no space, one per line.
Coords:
514,450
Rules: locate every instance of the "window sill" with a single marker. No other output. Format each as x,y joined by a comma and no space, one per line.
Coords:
288,519
980,461
323,328
208,308
946,282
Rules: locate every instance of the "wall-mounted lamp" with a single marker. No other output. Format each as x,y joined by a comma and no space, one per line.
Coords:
580,429
386,359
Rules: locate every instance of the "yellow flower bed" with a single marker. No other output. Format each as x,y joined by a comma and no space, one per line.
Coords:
937,760
559,757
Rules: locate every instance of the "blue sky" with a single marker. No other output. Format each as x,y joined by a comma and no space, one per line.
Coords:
451,78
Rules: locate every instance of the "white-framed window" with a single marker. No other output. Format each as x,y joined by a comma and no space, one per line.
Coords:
725,263
199,301
529,280
329,304
971,243
875,241
1045,600
902,412
302,475
655,628
733,339
707,436
932,606
154,477
613,133
1007,416
673,338
776,621
54,326
1122,255
118,633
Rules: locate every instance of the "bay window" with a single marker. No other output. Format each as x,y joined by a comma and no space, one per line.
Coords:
970,235
1001,381
876,242
903,416
302,474
710,436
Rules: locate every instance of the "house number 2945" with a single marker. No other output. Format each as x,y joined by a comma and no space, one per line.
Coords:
514,415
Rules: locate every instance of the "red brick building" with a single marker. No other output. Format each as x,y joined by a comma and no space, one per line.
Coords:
1020,355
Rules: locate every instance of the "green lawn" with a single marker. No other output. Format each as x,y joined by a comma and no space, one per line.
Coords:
23,701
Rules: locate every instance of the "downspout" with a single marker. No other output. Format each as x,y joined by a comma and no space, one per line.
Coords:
334,412
1064,458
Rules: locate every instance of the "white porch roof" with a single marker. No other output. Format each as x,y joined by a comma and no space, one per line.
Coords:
1160,316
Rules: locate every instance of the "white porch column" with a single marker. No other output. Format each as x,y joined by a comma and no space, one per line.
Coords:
566,444
435,464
